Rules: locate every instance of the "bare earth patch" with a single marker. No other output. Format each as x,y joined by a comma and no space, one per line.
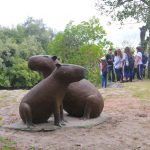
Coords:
129,128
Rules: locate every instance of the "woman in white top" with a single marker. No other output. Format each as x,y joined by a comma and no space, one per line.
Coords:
118,64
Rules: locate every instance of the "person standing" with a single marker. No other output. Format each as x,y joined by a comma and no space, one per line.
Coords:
110,67
118,64
138,63
125,62
103,72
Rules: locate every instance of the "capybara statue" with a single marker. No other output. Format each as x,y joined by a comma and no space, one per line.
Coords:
46,97
43,63
82,98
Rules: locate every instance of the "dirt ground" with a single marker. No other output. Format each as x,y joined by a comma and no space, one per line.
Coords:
129,128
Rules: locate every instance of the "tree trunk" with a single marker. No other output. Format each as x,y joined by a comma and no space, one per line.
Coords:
149,56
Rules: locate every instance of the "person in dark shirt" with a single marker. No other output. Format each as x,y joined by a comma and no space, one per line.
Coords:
110,67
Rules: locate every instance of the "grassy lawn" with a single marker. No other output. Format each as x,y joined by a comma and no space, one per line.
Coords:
6,144
139,89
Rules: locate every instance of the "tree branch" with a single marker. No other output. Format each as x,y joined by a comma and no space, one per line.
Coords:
121,2
144,1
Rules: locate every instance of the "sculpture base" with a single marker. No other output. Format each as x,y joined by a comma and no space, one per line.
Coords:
71,122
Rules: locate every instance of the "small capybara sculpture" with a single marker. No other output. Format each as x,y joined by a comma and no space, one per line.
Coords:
82,98
46,97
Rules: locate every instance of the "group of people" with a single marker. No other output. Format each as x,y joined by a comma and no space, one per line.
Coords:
122,66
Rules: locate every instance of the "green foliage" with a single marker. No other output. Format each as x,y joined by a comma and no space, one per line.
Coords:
29,47
20,76
139,89
38,29
16,46
78,44
123,9
81,44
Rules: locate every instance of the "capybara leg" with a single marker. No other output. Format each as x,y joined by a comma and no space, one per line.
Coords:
87,109
87,112
57,119
25,113
62,120
57,115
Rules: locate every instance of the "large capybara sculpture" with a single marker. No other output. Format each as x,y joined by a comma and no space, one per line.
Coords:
46,97
82,98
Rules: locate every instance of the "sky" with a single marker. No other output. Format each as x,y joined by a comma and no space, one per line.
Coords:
57,13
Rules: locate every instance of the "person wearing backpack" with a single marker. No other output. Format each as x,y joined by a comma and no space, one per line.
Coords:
144,61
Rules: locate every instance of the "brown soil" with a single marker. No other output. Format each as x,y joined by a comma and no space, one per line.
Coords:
129,128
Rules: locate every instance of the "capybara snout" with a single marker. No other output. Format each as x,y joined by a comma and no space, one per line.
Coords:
72,73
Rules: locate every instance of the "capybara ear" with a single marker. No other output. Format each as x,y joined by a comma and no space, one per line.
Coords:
54,57
58,65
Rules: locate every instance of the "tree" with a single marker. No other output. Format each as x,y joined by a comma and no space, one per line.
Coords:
16,46
35,27
81,44
120,10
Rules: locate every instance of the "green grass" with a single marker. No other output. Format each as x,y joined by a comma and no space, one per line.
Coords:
6,144
139,89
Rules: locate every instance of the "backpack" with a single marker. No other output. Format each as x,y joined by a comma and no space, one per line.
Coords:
144,59
131,61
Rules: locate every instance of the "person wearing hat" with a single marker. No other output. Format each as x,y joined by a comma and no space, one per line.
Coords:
103,71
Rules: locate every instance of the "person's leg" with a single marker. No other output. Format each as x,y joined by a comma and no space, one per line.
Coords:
139,71
125,73
128,73
131,74
102,82
105,81
117,74
144,67
121,74
109,73
134,71
113,75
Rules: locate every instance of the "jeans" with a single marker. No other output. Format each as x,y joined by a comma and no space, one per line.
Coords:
118,73
111,74
104,81
140,71
131,70
126,73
